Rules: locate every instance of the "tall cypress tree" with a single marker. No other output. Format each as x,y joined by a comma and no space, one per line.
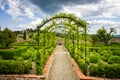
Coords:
0,28
24,35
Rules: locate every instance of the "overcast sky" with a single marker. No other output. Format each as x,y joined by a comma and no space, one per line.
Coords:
23,14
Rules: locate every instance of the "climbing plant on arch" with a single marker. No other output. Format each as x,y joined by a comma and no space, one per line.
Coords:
62,16
74,32
69,29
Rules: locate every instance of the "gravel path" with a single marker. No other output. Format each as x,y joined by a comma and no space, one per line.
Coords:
62,68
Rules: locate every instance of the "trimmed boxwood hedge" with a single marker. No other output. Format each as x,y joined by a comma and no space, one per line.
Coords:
114,59
116,52
105,70
9,54
94,58
14,67
106,57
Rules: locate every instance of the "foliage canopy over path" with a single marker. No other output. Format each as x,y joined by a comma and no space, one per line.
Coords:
69,22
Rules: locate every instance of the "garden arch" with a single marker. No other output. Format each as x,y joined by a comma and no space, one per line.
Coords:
77,21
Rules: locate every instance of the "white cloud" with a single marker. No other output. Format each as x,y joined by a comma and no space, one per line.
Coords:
103,9
2,3
32,24
96,24
80,10
98,14
68,9
17,9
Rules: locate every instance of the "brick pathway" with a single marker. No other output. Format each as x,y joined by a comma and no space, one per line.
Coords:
62,68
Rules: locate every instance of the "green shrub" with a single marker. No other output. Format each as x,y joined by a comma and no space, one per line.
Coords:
101,69
106,57
103,52
30,54
116,52
114,59
94,49
112,71
81,55
93,70
0,57
18,58
9,54
25,43
50,50
81,64
19,51
94,58
14,67
115,43
38,65
105,70
97,69
26,56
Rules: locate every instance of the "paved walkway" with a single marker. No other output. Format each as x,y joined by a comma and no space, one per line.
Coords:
62,68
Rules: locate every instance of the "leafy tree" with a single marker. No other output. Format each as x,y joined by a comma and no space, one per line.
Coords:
24,35
7,37
95,39
105,36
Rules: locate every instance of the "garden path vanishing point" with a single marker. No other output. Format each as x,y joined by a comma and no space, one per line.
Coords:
61,68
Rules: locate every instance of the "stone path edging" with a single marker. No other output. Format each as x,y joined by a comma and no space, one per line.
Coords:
48,65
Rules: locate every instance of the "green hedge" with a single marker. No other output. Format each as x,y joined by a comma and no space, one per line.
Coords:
9,54
112,71
105,70
81,64
30,54
114,59
19,51
106,57
94,58
14,67
41,58
25,44
116,52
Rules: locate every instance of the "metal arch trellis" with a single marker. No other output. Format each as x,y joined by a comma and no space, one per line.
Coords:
66,26
71,17
77,21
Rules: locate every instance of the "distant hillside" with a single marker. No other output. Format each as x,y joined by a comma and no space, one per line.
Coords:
117,35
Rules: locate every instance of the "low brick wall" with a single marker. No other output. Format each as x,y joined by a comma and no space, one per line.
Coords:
20,77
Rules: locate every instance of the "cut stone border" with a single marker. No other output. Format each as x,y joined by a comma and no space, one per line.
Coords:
48,66
20,77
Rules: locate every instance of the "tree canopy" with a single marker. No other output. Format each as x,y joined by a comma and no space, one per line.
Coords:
7,37
104,35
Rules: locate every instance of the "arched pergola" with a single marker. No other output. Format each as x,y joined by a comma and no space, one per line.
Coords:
62,16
